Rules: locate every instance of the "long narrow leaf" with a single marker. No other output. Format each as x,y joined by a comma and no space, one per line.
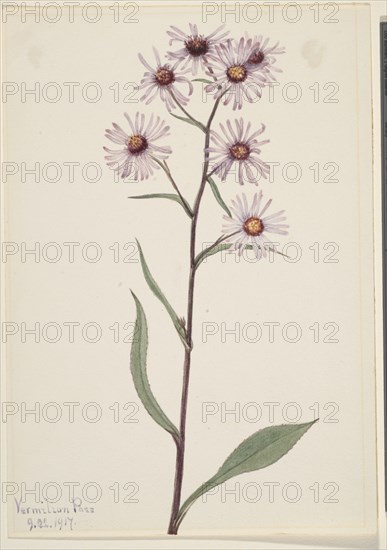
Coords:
138,356
190,121
205,80
254,453
210,251
218,196
160,295
170,196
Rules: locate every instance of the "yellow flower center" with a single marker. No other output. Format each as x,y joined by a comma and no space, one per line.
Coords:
253,226
240,151
236,73
164,76
137,144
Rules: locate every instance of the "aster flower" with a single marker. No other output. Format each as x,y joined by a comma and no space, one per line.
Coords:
234,73
250,225
197,50
138,148
162,80
238,146
263,56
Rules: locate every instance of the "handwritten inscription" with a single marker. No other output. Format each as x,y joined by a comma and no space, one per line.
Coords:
45,515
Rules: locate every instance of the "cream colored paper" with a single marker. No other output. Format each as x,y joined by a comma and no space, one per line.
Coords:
124,455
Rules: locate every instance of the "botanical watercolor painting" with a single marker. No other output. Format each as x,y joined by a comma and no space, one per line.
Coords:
233,70
190,336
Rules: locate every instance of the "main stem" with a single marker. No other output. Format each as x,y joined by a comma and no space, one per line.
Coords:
180,443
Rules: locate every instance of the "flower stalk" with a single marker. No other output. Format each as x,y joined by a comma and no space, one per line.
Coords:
180,452
183,110
166,169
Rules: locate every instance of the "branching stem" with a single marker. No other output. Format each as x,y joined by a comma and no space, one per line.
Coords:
180,446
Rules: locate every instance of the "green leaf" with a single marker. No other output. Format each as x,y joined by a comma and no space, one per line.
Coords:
159,294
209,252
218,196
170,196
254,453
190,121
205,80
139,374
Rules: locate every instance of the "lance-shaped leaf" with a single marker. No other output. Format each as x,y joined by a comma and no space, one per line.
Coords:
169,196
254,453
179,325
209,252
218,196
138,357
205,80
191,121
